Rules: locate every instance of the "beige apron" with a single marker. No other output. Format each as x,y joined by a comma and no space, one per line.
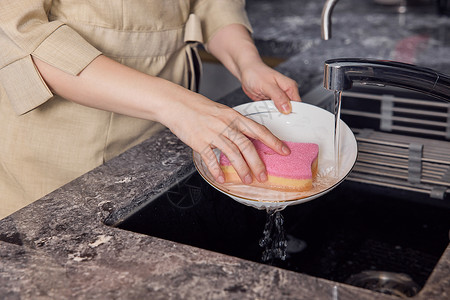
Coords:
60,140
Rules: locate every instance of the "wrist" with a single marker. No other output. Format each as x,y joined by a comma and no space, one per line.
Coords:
247,60
235,48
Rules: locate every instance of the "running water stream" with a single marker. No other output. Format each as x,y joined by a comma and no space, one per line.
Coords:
274,239
337,130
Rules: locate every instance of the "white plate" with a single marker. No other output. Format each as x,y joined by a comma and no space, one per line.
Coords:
306,123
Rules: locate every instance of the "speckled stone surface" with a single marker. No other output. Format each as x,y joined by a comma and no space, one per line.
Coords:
61,248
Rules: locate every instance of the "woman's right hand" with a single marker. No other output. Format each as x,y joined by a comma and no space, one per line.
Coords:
204,125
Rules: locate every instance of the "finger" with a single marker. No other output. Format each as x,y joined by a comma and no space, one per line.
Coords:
245,147
236,159
210,159
252,158
257,131
292,91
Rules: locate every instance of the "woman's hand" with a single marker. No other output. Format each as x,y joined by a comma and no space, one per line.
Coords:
233,46
205,125
260,82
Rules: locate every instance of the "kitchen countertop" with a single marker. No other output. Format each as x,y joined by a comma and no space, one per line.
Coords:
60,247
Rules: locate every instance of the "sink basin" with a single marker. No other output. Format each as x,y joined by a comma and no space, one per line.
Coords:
351,230
386,236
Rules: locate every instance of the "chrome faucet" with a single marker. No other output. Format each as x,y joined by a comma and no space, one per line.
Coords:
341,73
327,11
326,18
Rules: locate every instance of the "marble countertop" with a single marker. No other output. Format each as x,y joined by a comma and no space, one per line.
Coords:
61,248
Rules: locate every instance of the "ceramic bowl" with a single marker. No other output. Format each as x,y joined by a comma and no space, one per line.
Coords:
308,124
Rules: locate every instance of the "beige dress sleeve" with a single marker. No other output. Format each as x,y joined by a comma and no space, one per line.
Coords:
215,14
27,32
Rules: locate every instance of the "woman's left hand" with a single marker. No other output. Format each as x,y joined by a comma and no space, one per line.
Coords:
234,47
260,82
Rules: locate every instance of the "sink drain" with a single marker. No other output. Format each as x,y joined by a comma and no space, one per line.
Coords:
396,284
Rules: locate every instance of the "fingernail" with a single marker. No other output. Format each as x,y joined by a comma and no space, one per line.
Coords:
248,179
285,150
220,179
263,177
286,108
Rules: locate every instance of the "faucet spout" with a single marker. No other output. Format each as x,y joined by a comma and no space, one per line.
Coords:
326,18
340,74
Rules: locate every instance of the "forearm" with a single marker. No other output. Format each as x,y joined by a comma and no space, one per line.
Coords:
234,47
107,85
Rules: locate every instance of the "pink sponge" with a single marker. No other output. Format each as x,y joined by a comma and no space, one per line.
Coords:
294,172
